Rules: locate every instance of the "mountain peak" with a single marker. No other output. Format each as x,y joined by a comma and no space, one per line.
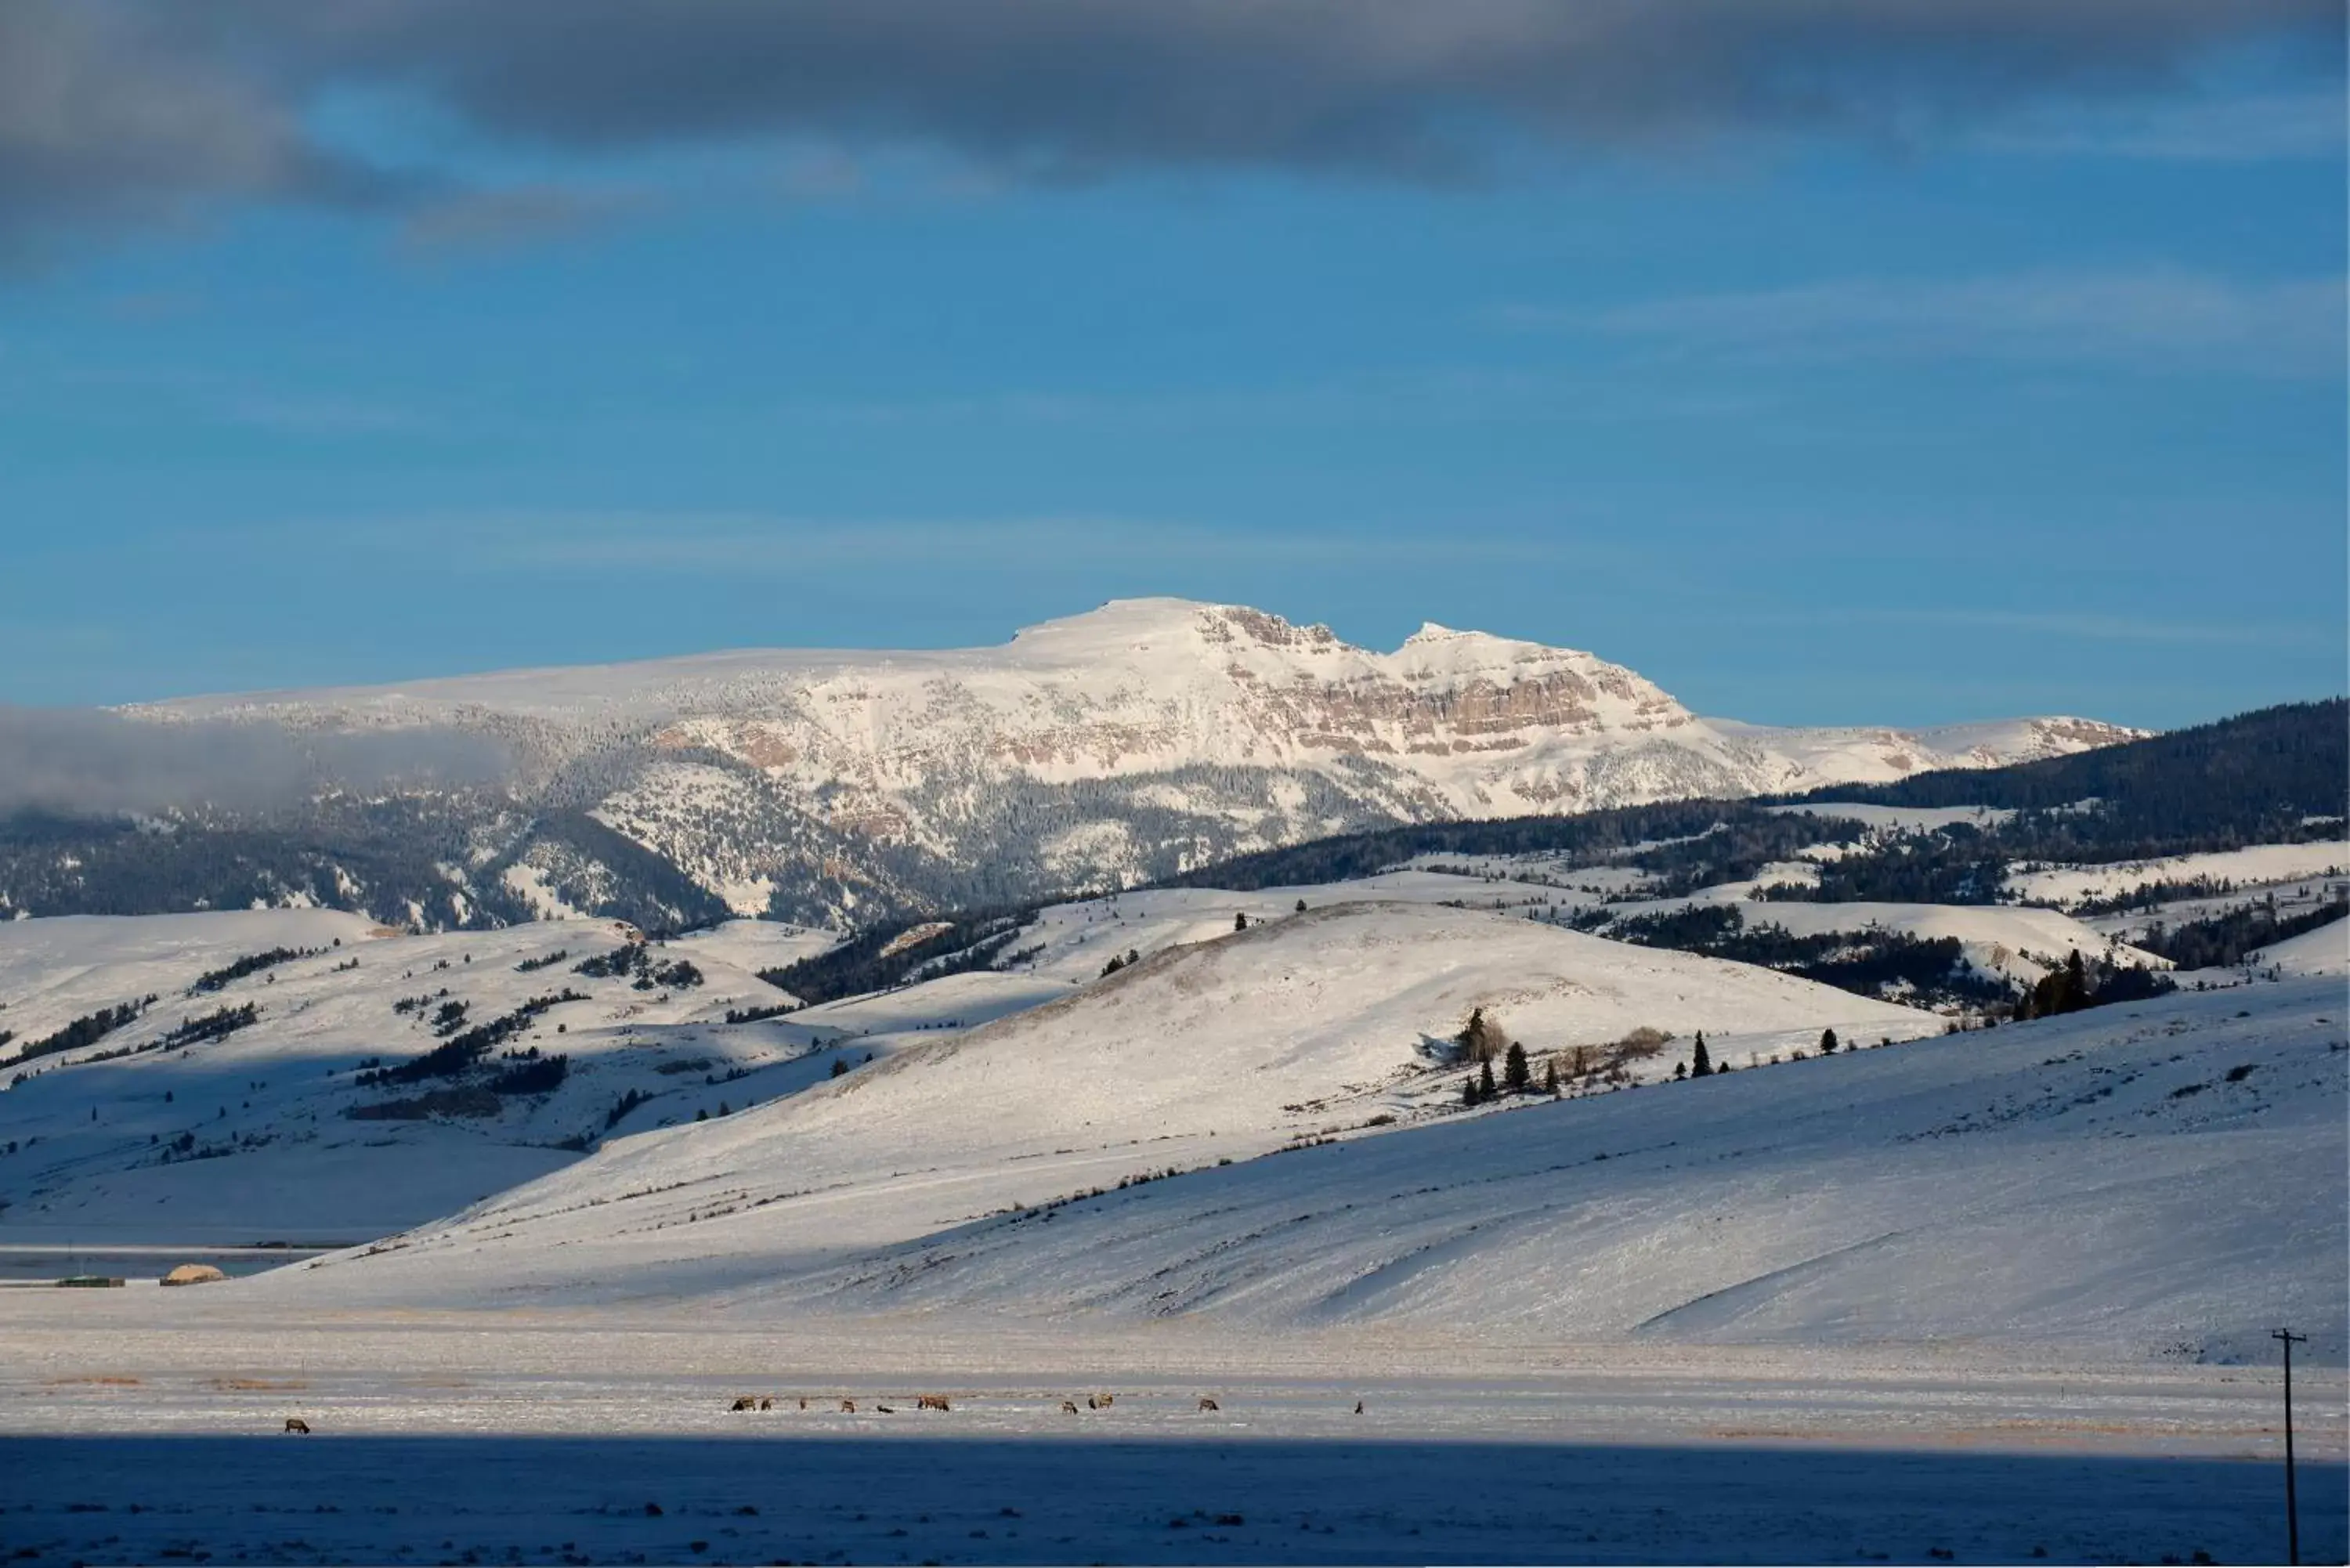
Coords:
1119,617
1125,623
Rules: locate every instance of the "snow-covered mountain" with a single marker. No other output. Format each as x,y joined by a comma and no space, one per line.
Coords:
1139,741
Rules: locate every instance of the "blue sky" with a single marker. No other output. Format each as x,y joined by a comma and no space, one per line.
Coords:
2039,409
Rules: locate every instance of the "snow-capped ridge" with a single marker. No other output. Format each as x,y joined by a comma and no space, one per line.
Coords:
1190,730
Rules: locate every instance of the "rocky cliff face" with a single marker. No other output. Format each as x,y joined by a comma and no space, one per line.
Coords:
1142,739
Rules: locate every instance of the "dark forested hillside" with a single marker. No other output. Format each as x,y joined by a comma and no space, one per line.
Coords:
2253,779
893,954
1739,830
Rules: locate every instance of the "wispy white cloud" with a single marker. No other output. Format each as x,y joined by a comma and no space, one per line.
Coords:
2082,625
819,174
2160,317
516,216
2245,129
1460,394
696,544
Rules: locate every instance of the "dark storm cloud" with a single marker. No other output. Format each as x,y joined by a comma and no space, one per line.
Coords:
103,123
137,106
78,762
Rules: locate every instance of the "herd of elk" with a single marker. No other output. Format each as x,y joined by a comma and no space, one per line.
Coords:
922,1402
848,1406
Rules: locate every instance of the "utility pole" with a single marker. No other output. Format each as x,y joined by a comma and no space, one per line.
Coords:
2292,1508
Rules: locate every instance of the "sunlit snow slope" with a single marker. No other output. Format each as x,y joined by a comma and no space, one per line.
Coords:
1310,1025
2164,1180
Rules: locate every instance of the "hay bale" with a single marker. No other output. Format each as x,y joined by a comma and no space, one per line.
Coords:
193,1275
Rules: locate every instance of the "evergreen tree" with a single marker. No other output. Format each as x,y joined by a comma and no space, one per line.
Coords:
1301,906
1550,1075
1514,1072
1468,1091
1827,1043
1700,1063
1485,1089
1479,1041
1681,1069
1239,921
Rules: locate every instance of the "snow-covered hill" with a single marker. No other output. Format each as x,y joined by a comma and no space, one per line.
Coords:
1308,1026
2166,1180
2155,1179
1140,740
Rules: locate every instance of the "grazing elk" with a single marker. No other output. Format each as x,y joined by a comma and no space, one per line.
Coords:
746,1402
1068,1407
848,1406
1100,1401
931,1402
296,1424
1210,1405
766,1404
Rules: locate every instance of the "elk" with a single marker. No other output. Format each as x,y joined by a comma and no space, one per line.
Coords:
296,1424
1100,1401
1210,1405
746,1402
931,1402
848,1406
1068,1407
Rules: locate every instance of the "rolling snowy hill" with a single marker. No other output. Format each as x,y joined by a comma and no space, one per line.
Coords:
2153,1180
1300,1028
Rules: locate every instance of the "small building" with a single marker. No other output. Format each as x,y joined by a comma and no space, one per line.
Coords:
193,1275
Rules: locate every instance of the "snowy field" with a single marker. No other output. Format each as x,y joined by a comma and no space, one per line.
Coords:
2258,866
2004,939
130,1436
